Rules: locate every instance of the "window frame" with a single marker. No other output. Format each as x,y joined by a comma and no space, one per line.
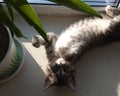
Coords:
45,9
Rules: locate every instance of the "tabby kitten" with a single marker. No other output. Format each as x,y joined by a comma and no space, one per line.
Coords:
66,49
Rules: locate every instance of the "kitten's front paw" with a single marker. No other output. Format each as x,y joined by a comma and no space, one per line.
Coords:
37,41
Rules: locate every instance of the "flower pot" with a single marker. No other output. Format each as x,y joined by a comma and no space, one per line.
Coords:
13,59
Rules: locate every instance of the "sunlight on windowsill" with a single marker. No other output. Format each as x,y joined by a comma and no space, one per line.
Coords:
36,54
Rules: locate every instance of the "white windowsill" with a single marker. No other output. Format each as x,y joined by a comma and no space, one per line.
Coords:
97,72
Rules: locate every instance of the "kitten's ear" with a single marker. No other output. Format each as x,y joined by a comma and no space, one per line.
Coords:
71,84
47,83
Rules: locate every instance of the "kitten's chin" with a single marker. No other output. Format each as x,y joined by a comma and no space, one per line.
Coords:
61,61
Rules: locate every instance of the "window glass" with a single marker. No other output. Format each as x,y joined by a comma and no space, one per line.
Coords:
90,2
102,2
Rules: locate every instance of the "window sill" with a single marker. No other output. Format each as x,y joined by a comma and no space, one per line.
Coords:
97,72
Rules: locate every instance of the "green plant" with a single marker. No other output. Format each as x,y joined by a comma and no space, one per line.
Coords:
28,13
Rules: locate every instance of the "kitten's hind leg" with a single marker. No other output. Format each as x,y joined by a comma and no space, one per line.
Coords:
112,12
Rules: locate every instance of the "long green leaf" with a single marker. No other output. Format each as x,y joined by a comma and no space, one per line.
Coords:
25,9
6,20
9,7
78,5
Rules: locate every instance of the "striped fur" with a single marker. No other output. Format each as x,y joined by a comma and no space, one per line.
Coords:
76,39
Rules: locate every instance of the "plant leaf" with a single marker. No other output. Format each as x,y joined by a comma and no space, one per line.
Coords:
25,9
6,20
78,5
9,7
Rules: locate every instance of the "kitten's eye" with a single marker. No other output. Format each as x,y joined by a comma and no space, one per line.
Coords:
54,68
67,69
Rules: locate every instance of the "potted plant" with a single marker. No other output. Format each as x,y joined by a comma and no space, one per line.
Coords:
11,50
12,54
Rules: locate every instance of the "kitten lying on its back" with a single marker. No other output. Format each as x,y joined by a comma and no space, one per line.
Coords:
66,49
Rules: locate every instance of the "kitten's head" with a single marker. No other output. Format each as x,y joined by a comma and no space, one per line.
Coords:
112,12
60,73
